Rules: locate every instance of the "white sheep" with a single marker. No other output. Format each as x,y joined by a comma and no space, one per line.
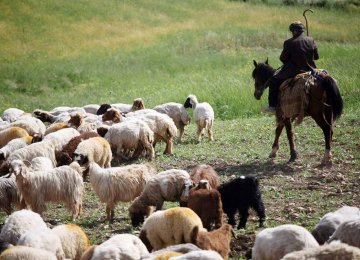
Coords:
180,248
14,145
165,186
61,137
348,232
26,253
199,255
43,238
163,127
177,113
138,104
11,133
133,135
118,247
95,149
31,124
59,184
274,243
335,250
19,223
55,127
330,221
12,114
203,116
169,227
119,183
73,239
41,164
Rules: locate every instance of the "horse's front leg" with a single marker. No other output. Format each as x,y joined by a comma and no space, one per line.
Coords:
275,146
290,136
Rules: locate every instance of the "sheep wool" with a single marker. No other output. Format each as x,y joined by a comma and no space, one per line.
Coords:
73,239
275,243
9,195
43,239
334,250
169,227
14,145
19,223
348,232
119,247
26,253
11,133
119,183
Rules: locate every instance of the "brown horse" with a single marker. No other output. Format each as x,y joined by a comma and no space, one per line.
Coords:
324,104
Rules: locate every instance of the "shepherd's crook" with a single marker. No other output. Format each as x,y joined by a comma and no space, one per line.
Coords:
307,28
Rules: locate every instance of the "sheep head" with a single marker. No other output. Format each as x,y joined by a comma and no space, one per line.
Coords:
75,120
188,184
191,101
138,104
19,167
63,158
102,109
81,159
2,156
137,212
113,115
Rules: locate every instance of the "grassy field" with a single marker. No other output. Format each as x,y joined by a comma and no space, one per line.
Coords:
75,53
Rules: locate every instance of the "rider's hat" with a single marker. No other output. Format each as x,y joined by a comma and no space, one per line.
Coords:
297,26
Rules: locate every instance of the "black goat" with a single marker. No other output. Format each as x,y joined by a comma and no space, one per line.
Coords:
241,194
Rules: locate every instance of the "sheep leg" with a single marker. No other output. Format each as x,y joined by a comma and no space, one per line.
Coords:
231,216
169,145
182,131
199,133
244,214
151,152
110,212
159,205
210,133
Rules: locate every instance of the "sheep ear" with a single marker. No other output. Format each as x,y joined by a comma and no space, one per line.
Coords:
255,63
267,61
194,234
27,163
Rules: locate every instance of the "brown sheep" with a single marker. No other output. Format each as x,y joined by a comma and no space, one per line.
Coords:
207,204
205,172
217,240
65,156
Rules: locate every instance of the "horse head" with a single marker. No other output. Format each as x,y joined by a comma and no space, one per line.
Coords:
261,73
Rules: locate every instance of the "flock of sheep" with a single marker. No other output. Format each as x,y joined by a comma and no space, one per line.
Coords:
47,155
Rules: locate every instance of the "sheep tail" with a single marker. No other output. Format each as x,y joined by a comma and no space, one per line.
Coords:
194,234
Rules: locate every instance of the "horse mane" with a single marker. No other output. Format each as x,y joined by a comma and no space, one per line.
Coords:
263,69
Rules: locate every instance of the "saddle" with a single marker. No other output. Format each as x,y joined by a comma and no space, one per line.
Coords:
294,94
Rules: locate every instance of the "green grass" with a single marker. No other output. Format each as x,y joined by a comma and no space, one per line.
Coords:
75,53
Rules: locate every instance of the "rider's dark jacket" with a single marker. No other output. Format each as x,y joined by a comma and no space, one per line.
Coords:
298,55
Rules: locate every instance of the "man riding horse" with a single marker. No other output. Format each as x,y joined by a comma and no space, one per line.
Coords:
298,56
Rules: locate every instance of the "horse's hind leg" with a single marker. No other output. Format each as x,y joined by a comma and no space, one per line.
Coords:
325,122
290,136
275,146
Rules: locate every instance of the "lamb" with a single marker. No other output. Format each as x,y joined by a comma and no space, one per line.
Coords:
205,172
11,133
118,247
207,204
9,195
138,104
94,149
275,243
169,227
330,221
77,121
43,239
131,135
241,194
119,183
332,251
28,253
19,223
14,145
73,240
203,116
167,185
177,113
217,240
348,232
60,184
65,156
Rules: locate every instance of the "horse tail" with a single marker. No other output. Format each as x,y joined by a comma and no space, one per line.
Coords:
334,98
